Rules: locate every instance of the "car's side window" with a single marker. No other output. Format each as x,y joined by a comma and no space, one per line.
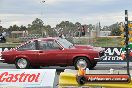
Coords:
53,45
28,46
43,45
48,45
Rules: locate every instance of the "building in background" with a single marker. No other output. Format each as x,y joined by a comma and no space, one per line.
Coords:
104,33
17,34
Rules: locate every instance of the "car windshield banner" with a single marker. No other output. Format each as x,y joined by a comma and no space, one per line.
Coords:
27,77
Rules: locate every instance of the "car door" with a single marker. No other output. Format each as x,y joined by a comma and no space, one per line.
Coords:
28,51
51,53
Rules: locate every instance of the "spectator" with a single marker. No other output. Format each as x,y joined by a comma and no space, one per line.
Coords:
2,37
61,35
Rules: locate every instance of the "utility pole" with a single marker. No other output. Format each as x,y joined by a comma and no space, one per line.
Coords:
126,41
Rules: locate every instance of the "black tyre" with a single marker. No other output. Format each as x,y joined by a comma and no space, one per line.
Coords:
63,66
93,65
82,62
22,63
35,67
80,80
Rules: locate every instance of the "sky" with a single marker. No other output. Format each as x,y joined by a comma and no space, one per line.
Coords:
52,12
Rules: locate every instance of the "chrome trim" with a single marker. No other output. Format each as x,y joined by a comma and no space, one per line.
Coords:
100,58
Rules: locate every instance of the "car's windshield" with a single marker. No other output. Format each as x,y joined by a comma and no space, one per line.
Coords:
65,43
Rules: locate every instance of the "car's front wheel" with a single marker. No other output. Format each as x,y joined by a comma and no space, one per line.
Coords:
82,62
22,63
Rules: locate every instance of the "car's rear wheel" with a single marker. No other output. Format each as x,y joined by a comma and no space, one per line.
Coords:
82,62
22,63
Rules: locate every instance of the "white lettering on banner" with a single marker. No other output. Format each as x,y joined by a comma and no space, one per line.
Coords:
27,77
113,54
112,58
111,51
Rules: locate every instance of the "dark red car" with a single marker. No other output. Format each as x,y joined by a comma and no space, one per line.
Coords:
52,52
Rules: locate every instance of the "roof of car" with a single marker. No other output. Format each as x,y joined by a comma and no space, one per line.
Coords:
48,38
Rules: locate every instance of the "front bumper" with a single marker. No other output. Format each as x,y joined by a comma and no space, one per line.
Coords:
2,60
100,58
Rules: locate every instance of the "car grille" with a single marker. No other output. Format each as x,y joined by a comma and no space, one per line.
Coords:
101,53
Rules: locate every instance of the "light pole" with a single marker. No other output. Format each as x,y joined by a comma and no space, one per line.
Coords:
42,2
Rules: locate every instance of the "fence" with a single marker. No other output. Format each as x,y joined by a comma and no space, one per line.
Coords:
99,41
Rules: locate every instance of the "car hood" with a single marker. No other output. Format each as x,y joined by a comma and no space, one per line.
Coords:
86,50
89,47
76,50
83,46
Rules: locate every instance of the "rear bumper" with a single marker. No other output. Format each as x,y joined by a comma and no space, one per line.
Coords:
100,58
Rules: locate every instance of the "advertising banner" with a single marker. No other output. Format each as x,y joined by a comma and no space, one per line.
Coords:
27,78
113,54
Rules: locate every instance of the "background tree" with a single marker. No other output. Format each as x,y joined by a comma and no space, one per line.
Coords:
50,31
106,28
36,27
14,28
115,29
90,27
22,28
68,28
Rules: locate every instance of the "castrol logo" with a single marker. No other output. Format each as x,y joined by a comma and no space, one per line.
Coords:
20,77
27,77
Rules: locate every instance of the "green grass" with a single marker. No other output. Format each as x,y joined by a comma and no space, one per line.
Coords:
107,42
9,44
101,42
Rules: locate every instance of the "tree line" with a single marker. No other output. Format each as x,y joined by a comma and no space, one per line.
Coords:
67,27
